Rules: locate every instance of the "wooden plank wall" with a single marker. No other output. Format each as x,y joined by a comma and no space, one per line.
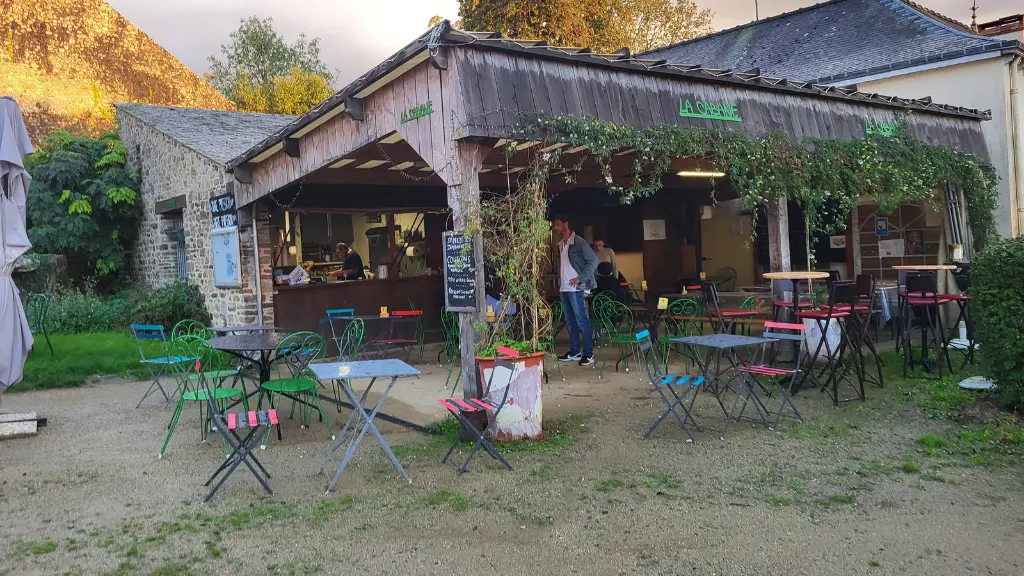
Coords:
512,87
909,217
341,135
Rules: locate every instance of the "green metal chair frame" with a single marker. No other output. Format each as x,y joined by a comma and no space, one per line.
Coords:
349,344
37,309
189,327
451,348
424,331
294,380
213,367
749,303
684,317
548,341
618,323
597,306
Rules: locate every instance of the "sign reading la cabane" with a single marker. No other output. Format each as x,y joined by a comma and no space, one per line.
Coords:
709,110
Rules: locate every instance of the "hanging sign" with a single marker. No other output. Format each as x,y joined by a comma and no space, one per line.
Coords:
222,210
709,110
459,273
883,128
882,226
418,112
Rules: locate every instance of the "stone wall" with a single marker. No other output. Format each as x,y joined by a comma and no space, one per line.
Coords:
67,61
168,169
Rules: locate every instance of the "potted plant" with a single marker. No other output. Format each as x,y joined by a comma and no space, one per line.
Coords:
516,233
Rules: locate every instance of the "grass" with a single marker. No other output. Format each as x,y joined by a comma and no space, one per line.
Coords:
911,467
29,547
455,500
78,356
559,433
609,485
842,498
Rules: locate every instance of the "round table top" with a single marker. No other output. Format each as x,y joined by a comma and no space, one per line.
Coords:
925,267
246,328
796,275
247,342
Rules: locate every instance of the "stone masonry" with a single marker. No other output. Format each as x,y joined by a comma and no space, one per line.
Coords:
181,165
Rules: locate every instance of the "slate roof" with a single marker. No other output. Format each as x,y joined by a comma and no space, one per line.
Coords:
835,41
218,135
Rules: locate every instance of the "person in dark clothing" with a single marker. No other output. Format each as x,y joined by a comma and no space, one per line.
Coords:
607,282
351,264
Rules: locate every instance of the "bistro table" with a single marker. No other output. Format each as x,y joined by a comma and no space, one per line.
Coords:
934,268
382,336
925,267
716,345
371,369
256,348
246,328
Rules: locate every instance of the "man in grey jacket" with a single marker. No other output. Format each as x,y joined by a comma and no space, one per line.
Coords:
577,264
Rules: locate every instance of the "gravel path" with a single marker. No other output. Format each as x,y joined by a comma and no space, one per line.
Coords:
848,492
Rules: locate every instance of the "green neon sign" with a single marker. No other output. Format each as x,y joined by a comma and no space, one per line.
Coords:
418,112
883,128
709,110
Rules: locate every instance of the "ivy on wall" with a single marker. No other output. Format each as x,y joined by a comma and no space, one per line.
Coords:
826,177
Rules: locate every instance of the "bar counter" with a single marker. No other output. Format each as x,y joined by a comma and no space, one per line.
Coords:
298,308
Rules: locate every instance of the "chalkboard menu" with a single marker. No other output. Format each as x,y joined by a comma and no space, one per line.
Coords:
459,273
222,210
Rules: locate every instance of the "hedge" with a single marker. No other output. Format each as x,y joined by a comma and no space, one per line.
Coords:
997,292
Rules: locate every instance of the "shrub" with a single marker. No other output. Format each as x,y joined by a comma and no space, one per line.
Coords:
170,305
997,289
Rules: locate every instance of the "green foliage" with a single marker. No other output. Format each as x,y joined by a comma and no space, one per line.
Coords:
83,202
262,72
74,311
170,305
997,290
826,177
603,25
79,356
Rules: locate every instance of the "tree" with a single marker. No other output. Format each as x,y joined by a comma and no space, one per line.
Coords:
259,62
434,21
604,25
83,202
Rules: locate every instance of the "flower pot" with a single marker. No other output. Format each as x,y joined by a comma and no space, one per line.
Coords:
521,416
834,336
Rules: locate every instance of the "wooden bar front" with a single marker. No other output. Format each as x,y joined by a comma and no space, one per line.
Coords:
298,308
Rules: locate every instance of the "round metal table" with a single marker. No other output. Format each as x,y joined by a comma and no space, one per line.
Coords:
256,348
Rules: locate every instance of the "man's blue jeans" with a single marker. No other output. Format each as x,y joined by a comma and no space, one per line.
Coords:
574,308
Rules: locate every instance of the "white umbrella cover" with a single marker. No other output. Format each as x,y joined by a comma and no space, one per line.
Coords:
15,335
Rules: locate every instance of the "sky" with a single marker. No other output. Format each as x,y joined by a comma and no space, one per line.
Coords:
358,34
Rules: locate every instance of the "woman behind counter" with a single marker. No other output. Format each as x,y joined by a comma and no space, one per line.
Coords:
351,264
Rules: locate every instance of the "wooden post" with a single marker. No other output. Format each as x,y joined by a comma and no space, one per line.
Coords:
464,200
778,236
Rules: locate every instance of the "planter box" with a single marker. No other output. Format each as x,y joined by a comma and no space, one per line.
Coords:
521,416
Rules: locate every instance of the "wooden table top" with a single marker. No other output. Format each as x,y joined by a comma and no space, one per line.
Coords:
796,275
925,267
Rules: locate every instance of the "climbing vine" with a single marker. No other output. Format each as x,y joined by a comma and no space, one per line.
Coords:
826,177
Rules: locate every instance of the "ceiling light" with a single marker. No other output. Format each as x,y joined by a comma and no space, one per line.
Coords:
371,164
699,174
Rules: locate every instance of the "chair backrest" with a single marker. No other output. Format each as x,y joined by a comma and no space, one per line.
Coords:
922,285
350,341
865,285
190,327
792,332
843,293
407,313
36,309
649,352
296,352
833,277
684,318
340,312
712,308
188,350
616,317
152,333
728,278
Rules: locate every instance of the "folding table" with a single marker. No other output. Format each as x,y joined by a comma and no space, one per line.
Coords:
716,345
349,436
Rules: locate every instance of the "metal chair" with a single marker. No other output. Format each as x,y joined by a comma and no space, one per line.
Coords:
190,327
349,344
458,408
922,309
726,278
722,321
783,379
617,321
36,311
294,380
662,381
684,317
158,366
842,303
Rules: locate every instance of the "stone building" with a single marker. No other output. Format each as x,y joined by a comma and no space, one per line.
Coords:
181,154
67,61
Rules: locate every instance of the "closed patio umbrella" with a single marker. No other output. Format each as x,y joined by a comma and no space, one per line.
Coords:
15,335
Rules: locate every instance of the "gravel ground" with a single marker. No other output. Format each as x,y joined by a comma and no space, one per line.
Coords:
846,492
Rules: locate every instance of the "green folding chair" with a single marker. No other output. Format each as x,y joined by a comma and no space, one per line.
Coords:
214,369
349,344
684,317
191,328
294,380
617,322
36,310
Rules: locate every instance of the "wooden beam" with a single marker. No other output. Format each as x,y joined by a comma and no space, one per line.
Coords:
464,199
243,174
291,147
440,60
170,205
354,108
778,235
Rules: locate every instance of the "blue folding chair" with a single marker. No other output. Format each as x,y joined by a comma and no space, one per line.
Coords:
158,366
680,388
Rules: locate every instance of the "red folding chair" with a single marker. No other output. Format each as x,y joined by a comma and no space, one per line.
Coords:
461,408
782,379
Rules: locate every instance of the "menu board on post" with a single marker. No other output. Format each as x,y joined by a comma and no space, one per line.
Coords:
459,273
222,211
